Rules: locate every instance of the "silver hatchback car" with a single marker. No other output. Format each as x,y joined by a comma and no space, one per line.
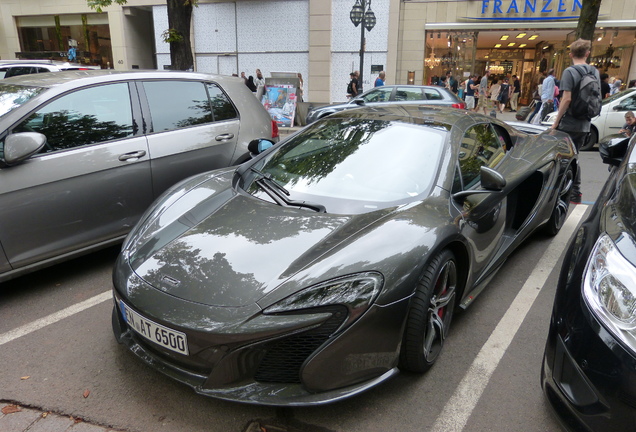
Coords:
83,153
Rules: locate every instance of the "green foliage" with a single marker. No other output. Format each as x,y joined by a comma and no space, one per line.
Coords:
98,5
171,35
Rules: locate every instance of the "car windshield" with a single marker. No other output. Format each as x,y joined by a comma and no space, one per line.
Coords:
12,96
354,165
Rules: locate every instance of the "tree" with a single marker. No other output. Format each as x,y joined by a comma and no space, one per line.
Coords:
587,20
178,33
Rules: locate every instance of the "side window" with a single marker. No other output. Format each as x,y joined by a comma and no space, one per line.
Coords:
221,105
42,70
479,147
86,116
177,104
408,94
381,94
432,94
19,70
504,137
628,104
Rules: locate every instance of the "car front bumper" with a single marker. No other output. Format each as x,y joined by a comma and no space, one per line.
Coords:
262,359
587,376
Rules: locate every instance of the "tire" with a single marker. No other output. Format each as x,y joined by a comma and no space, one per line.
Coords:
592,139
562,205
430,314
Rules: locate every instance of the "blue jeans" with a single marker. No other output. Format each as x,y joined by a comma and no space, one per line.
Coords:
537,107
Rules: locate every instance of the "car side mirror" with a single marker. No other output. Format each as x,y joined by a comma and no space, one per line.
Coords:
613,150
491,182
359,102
258,146
21,146
617,108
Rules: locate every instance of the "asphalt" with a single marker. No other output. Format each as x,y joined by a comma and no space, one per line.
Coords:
15,417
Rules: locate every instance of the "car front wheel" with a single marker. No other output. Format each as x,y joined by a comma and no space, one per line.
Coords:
592,139
430,314
560,211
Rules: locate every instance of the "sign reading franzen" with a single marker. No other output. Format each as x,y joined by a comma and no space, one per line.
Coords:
529,10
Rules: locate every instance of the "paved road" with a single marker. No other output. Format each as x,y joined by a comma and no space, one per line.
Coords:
65,372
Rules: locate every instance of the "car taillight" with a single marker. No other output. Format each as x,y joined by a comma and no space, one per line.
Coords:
459,105
274,129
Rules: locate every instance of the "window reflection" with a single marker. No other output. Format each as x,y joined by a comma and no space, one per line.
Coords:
87,116
479,147
12,96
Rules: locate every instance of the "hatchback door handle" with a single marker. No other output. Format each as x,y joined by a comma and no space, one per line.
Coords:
224,137
132,156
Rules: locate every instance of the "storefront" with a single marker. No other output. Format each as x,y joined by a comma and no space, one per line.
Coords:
515,37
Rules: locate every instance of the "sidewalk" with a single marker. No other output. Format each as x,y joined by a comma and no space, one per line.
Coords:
15,418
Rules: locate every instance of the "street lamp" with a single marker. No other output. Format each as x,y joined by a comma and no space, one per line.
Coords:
366,17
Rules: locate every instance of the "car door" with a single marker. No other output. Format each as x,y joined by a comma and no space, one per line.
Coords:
483,216
194,128
615,117
89,184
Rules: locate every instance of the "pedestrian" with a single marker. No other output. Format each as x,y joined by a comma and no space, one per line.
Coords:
470,93
578,128
605,86
259,80
379,81
504,94
514,97
630,124
495,88
451,82
483,93
536,95
616,86
547,97
352,87
249,82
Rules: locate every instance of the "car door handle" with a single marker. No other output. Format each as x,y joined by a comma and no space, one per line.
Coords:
224,137
132,156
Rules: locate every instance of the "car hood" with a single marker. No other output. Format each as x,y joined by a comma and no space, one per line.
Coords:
241,250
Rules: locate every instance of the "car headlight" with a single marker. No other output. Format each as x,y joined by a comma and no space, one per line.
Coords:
356,292
609,287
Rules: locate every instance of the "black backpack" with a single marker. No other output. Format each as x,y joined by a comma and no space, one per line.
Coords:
586,95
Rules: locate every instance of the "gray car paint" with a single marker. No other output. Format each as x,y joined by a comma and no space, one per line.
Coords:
228,256
57,205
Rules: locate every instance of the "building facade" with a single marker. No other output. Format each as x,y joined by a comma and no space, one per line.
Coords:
412,40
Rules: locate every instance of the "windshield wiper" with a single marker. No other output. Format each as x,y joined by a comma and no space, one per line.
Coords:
280,195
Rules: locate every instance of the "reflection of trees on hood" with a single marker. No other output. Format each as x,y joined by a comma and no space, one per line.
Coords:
184,263
338,140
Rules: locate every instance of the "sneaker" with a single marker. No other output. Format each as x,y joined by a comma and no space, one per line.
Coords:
575,198
513,110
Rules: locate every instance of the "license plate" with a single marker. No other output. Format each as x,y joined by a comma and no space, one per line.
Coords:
170,339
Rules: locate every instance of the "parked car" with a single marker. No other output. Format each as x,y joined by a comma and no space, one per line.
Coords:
27,67
610,120
330,261
392,94
83,153
588,372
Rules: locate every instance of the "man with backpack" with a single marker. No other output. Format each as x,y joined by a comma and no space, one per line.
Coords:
581,100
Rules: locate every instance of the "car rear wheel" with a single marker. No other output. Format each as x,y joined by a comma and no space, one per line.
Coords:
430,314
562,205
592,139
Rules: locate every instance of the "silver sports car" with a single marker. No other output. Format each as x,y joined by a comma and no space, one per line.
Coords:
335,259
